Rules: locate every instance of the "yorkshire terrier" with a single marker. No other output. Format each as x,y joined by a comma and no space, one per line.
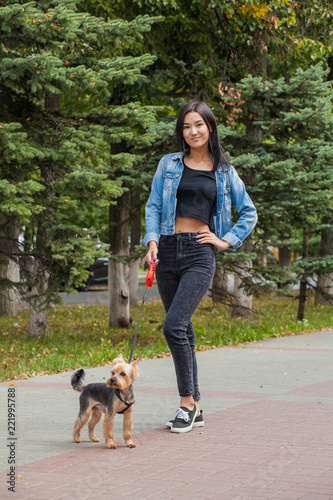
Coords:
116,396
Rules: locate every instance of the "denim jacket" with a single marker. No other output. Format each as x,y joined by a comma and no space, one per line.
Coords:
161,206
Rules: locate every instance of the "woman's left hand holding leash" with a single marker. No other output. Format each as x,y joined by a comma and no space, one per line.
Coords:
152,253
206,236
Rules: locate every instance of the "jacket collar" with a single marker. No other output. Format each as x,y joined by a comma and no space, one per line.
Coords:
179,156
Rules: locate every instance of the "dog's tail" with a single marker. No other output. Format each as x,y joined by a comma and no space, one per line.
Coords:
77,379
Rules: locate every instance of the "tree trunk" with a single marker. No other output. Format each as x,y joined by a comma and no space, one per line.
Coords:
324,290
303,282
119,313
119,298
242,301
135,241
40,276
37,315
284,257
134,282
263,257
10,300
219,290
285,261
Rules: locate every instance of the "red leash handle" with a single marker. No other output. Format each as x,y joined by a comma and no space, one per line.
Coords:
150,273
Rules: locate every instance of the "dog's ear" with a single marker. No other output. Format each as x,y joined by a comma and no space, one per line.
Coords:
117,360
135,369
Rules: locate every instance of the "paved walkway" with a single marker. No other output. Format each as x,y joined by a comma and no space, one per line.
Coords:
268,431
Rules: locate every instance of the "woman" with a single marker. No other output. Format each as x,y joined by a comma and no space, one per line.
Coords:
188,214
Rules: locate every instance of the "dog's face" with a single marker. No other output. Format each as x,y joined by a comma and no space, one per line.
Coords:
122,374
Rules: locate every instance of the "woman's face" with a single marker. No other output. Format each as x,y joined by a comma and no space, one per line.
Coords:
195,130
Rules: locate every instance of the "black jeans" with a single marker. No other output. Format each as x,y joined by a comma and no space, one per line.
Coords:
184,273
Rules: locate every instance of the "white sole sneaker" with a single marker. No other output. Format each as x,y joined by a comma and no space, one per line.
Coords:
184,420
198,421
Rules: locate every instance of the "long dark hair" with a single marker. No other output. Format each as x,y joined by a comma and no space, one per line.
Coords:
215,149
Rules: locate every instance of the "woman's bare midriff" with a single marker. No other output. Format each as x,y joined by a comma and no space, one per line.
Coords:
189,225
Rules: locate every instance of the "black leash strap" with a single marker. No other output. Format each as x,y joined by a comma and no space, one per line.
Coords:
137,328
149,282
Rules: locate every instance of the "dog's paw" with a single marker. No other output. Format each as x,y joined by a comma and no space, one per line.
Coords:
77,440
110,444
130,444
94,438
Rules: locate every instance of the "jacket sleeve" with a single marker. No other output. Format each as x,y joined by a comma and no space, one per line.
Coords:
246,210
154,207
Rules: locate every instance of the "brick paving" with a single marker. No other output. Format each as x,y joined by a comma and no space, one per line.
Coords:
268,434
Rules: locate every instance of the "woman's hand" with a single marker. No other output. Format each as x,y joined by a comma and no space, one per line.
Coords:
206,236
152,252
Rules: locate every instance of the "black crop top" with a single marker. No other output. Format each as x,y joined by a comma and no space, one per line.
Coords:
196,194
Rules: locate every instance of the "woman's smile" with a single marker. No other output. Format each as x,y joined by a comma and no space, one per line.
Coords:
195,130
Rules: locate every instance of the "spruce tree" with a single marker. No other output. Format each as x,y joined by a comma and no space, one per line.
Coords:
56,125
201,44
294,164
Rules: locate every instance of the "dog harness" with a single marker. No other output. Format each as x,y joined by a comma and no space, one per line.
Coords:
125,402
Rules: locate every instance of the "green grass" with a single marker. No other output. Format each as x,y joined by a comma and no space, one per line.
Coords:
80,336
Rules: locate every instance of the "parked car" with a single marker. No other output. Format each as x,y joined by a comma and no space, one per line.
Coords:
98,274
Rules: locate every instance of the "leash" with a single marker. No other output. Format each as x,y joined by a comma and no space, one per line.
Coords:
149,282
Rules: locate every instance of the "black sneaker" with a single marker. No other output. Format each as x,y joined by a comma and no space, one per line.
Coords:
184,419
198,421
